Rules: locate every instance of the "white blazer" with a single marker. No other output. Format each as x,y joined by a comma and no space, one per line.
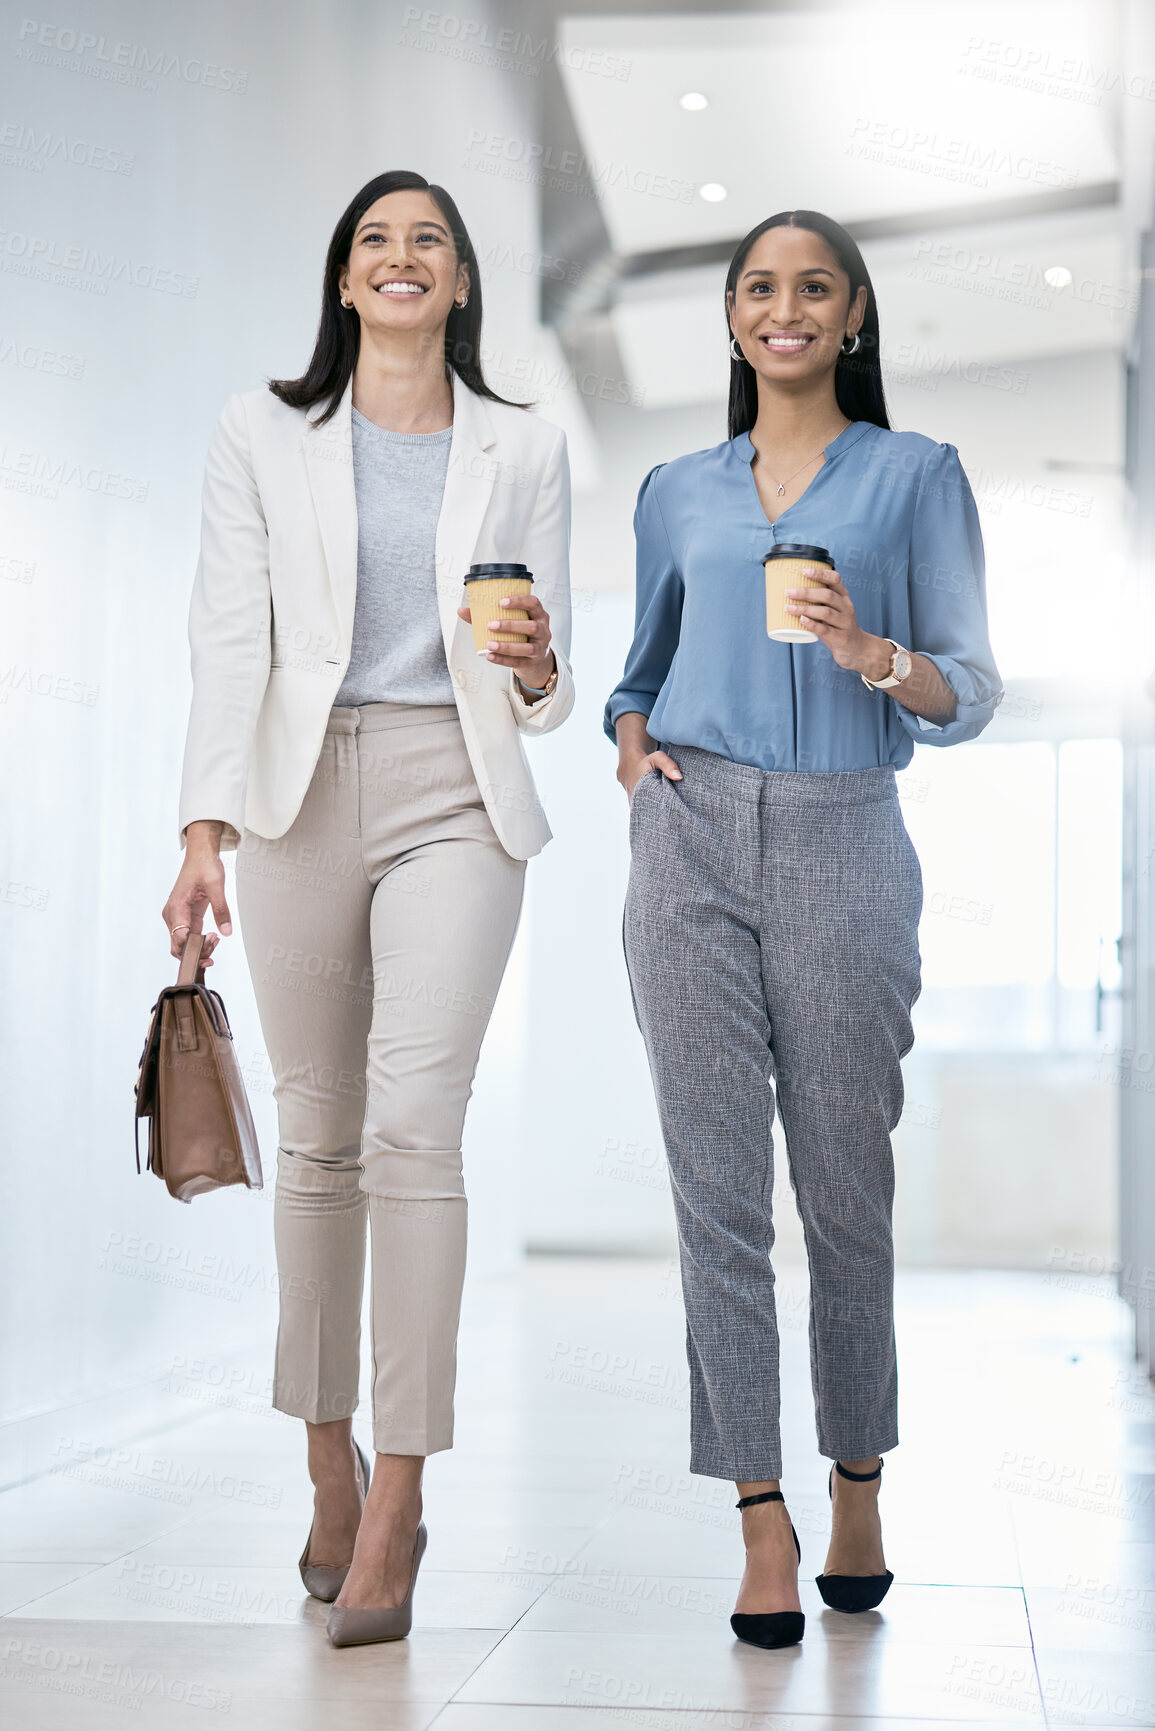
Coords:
271,619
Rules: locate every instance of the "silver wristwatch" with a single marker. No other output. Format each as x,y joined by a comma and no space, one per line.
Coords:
900,666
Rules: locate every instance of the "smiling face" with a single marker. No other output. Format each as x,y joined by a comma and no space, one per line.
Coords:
402,273
792,306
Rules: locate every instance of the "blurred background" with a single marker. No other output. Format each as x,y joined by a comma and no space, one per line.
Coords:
171,177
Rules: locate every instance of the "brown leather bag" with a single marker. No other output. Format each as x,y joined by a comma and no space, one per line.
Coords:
200,1130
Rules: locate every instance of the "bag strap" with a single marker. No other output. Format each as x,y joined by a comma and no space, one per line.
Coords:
151,1134
191,970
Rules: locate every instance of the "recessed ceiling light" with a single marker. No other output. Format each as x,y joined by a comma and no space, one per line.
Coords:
712,192
695,101
1057,277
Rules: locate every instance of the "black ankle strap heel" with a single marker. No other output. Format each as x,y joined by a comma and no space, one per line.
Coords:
769,1628
853,1592
859,1478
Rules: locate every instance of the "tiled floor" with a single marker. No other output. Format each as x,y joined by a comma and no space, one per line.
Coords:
578,1579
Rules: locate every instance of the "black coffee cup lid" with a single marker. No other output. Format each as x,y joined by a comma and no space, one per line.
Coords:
795,550
476,571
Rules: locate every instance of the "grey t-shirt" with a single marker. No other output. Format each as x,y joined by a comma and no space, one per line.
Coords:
398,653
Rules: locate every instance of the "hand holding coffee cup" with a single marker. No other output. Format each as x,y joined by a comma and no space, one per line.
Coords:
497,595
788,565
817,608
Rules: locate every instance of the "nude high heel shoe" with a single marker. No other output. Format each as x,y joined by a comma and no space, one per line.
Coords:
327,1583
349,1627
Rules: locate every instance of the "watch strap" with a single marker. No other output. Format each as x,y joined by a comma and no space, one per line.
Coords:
890,680
546,689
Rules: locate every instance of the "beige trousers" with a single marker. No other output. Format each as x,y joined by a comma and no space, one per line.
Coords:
377,930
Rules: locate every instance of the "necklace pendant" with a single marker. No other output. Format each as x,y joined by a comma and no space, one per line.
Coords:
781,492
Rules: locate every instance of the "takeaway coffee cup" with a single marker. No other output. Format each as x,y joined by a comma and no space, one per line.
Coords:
784,565
485,587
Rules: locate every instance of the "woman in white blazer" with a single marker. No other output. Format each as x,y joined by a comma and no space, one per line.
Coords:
367,766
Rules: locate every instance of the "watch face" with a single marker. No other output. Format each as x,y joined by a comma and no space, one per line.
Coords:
901,664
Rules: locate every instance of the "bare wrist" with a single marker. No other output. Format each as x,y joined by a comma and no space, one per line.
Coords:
632,733
629,759
203,838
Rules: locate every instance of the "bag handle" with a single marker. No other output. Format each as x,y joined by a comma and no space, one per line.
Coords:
191,970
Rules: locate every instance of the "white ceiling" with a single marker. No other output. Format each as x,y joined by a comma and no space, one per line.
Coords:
873,112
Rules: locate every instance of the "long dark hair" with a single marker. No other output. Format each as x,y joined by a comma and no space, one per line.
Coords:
858,377
339,332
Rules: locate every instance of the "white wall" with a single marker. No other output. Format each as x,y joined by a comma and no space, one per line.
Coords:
227,195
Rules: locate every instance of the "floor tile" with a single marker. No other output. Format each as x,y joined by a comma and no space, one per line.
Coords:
145,1589
618,1602
55,1519
23,1583
702,1673
1101,1689
1094,1615
474,1716
229,1669
80,1707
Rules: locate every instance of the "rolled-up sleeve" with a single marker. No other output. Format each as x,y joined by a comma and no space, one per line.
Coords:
657,613
948,603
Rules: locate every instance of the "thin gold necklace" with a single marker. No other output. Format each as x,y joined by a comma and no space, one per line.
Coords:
782,485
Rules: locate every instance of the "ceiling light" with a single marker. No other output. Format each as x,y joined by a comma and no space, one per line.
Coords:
694,101
712,192
1057,277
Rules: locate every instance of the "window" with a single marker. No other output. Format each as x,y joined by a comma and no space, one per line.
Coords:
1020,849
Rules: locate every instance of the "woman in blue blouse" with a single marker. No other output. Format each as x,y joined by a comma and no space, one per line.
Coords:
771,922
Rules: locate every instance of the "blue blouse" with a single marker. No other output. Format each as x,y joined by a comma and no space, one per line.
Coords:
897,514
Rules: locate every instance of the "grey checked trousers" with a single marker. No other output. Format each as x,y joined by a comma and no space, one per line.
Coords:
771,934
